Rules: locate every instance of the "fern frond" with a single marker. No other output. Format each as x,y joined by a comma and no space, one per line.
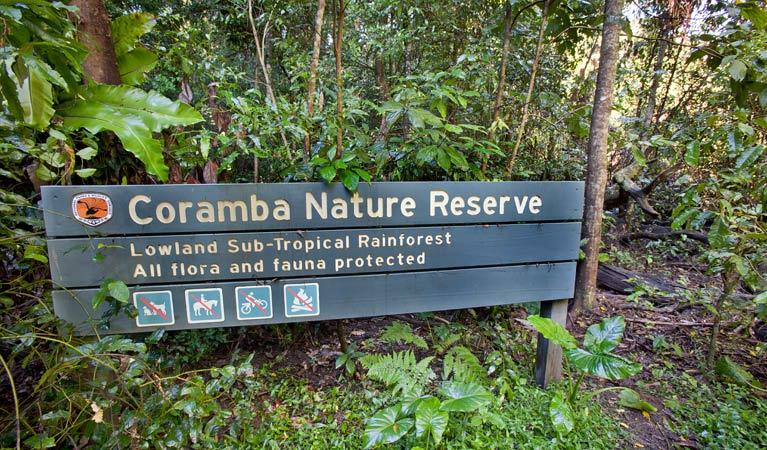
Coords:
399,370
403,332
464,366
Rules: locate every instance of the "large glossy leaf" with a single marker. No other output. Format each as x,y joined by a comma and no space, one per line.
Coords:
430,420
386,426
10,91
749,156
134,64
612,367
464,397
36,100
155,110
604,336
631,399
561,414
553,331
127,29
132,115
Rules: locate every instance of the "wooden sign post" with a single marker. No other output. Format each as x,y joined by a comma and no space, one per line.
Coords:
200,256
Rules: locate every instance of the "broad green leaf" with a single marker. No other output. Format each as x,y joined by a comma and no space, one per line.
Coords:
681,219
749,156
10,92
640,158
464,397
87,153
127,29
36,100
761,298
738,70
430,420
363,174
34,64
36,253
605,336
692,155
350,179
553,331
152,108
119,291
442,108
386,426
328,173
85,173
631,399
612,367
135,64
443,159
561,414
718,235
728,369
457,158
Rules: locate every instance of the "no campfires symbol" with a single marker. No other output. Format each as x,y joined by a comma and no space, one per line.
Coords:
155,308
91,208
302,300
254,302
204,305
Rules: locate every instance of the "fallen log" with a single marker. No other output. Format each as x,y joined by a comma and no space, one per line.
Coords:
662,233
622,280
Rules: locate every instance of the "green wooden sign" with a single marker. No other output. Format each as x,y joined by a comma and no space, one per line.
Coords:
200,256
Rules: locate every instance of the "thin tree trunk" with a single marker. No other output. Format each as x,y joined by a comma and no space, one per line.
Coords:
596,176
530,86
652,94
313,76
671,76
93,29
262,61
339,80
730,281
501,77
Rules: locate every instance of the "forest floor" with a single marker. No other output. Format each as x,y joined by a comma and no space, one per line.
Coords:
668,333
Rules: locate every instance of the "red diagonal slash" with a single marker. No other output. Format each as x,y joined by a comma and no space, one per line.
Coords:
302,300
154,308
194,297
255,303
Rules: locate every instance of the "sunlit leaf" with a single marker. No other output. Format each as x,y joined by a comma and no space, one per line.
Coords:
430,420
135,64
464,397
631,399
608,366
728,369
36,100
738,70
692,155
127,29
553,331
749,156
119,291
386,426
561,414
605,336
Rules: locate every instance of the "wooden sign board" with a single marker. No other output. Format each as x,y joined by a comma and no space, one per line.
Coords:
199,256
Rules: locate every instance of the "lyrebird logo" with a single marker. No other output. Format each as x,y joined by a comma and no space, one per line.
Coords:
91,208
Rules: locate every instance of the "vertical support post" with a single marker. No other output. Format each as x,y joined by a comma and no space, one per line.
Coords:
548,357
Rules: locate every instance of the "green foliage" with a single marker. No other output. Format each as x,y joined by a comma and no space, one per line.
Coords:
402,332
463,365
595,359
132,115
399,370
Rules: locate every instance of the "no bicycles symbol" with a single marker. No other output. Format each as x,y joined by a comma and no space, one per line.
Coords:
254,302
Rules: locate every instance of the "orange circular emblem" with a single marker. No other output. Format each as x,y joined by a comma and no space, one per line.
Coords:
91,208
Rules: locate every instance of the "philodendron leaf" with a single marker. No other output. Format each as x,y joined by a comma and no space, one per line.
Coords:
430,420
612,367
553,331
631,399
728,369
386,426
561,414
464,397
605,336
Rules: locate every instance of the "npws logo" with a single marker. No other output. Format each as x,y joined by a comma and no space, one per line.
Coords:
91,208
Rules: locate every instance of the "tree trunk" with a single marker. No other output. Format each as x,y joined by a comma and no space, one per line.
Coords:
596,176
501,77
313,76
339,80
93,29
530,86
652,94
